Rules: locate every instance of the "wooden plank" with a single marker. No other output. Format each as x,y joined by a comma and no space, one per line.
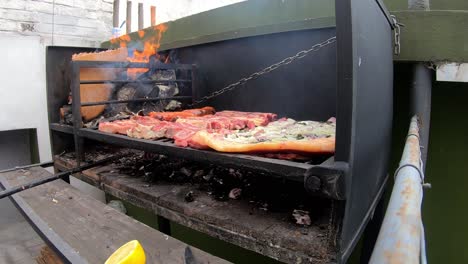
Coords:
93,231
116,12
141,17
129,17
48,256
153,16
236,222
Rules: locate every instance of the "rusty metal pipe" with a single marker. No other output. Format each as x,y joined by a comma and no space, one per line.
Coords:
401,237
420,96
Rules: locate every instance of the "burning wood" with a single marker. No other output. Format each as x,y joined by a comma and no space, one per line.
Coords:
98,92
151,45
103,91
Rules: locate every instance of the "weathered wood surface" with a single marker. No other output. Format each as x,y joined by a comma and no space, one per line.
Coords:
87,230
48,256
234,221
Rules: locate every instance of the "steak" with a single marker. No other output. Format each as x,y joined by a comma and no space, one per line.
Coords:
117,127
231,131
258,119
216,122
172,116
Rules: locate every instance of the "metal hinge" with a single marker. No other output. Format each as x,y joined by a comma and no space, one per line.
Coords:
396,34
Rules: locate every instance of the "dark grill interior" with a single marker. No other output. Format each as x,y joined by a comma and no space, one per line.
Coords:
282,168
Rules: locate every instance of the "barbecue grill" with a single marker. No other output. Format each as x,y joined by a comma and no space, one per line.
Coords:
351,79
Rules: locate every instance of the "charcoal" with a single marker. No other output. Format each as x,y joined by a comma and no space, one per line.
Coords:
235,193
266,193
198,174
186,172
301,217
189,197
208,176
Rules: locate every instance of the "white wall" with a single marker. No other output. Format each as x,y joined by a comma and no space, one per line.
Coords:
167,10
26,28
23,89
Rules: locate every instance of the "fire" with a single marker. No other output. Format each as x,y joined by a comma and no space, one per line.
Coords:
122,40
150,47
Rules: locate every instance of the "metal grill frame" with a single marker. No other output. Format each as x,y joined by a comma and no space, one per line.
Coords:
75,91
289,170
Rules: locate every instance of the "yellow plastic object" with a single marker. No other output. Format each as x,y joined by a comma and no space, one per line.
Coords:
130,253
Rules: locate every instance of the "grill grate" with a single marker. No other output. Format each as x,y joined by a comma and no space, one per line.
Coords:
282,168
291,170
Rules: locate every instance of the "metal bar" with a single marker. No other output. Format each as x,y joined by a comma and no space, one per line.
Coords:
386,13
420,97
345,50
194,81
76,111
55,242
115,15
129,17
136,100
399,239
61,128
140,16
57,176
41,164
133,81
280,168
111,64
153,16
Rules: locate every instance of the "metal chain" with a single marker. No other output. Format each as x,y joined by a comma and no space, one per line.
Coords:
396,34
301,54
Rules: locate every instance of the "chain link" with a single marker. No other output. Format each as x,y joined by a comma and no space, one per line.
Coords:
301,54
396,35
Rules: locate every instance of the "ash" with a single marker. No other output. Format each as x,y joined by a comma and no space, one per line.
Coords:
264,192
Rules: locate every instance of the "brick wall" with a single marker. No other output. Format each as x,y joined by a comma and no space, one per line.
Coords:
58,22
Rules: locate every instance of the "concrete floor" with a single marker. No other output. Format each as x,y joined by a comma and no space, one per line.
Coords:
19,243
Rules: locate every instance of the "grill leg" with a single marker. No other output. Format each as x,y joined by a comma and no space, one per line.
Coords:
372,231
79,149
76,112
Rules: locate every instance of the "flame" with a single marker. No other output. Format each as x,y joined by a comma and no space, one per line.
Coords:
150,47
122,40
